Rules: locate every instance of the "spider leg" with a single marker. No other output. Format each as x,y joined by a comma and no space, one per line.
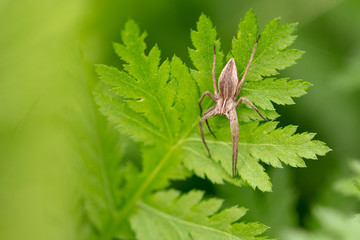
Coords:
213,72
207,123
202,97
234,126
251,105
209,110
204,118
238,88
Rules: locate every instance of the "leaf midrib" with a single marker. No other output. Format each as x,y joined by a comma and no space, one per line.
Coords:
122,214
268,90
129,205
242,143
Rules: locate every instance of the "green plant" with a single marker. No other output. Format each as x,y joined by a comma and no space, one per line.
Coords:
156,104
334,224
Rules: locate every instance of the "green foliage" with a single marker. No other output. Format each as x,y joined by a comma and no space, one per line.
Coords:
265,142
275,209
350,186
156,103
271,53
167,215
335,224
100,191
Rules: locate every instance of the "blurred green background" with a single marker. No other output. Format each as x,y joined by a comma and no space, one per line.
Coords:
49,124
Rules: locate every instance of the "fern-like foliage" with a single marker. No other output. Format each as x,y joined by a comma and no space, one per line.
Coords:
156,103
260,141
167,215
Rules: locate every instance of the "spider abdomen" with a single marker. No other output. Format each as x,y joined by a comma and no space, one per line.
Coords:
228,80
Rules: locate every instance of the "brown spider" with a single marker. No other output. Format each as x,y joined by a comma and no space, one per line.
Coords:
229,87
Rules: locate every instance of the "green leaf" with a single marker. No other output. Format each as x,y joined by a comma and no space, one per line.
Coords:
266,92
156,103
102,175
169,215
147,102
203,55
186,97
271,53
276,209
130,122
280,91
145,84
260,142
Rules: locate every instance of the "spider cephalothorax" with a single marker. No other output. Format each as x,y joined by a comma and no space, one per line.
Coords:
229,89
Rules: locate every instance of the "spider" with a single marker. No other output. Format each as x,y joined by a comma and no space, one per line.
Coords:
229,89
